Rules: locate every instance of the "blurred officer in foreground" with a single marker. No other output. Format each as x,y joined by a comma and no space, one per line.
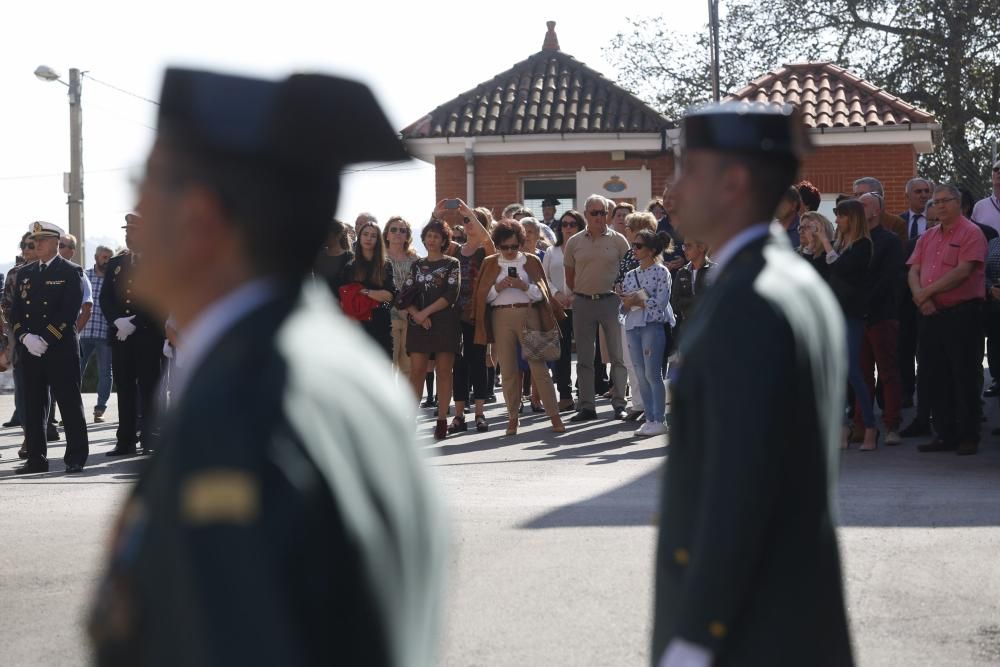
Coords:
46,304
287,519
748,568
136,341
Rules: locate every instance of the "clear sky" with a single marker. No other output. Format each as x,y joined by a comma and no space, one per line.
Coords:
414,55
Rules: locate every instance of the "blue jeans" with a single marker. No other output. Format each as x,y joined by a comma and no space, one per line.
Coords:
647,346
856,378
87,348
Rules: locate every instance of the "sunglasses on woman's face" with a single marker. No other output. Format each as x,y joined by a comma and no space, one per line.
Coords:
27,246
397,230
638,246
510,248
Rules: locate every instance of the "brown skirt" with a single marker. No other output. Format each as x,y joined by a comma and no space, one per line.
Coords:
443,336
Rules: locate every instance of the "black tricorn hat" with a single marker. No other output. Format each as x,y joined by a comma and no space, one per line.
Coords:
307,123
550,201
746,128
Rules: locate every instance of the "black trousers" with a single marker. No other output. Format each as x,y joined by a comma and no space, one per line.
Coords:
992,320
136,365
470,368
564,366
951,358
58,369
909,327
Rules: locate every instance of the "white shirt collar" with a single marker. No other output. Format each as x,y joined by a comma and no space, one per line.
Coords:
45,265
729,249
204,332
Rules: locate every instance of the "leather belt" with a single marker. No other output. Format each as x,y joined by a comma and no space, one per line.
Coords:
594,297
513,305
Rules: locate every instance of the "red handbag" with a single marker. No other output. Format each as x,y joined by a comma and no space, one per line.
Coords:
356,305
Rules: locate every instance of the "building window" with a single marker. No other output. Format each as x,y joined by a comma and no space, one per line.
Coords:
537,190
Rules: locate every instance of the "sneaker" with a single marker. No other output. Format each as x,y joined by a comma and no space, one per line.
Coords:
656,428
643,430
893,438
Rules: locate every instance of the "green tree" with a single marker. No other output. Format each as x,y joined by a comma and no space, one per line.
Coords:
940,55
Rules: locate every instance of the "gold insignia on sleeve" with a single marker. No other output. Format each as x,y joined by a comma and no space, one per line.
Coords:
55,332
220,496
17,326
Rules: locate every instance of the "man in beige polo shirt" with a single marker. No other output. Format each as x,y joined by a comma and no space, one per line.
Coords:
591,258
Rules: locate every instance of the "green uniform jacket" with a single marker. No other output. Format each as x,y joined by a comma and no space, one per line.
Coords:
747,559
286,518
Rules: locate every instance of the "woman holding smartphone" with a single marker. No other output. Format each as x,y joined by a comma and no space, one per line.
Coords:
513,285
646,310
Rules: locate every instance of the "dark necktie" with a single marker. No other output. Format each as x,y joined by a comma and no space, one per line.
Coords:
914,229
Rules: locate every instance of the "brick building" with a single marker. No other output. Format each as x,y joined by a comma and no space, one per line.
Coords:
858,128
550,125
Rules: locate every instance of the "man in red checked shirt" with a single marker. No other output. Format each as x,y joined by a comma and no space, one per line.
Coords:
948,285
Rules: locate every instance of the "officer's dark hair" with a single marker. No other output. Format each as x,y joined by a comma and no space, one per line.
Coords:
282,217
770,177
441,228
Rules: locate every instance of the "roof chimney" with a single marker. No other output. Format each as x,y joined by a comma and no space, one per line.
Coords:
551,41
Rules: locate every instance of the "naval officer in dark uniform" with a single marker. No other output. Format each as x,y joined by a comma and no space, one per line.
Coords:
288,518
748,569
136,340
46,304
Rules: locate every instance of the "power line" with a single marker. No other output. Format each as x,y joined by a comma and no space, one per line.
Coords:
120,90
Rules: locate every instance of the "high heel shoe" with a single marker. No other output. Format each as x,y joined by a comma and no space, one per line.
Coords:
862,448
537,407
441,429
512,425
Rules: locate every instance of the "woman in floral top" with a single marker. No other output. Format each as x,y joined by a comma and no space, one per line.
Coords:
645,312
428,297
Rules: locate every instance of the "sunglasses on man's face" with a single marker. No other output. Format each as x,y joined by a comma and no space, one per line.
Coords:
66,245
510,248
599,214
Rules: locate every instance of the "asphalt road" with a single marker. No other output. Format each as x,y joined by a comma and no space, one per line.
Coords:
553,547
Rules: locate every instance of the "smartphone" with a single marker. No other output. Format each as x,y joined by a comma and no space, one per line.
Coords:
512,272
451,203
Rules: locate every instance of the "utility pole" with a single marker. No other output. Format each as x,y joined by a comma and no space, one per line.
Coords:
75,189
713,27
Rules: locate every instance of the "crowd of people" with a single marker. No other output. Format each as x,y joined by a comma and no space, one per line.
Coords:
615,286
490,296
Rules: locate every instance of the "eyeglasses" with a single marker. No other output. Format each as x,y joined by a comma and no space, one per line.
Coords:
938,202
638,246
66,245
510,248
27,246
569,223
398,230
922,191
599,214
996,169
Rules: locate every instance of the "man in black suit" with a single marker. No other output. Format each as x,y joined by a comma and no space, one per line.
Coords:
136,340
918,193
748,568
287,519
46,303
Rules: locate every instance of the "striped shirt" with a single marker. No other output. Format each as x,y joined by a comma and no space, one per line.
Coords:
97,326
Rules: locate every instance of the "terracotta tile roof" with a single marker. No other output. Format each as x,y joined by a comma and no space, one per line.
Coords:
830,96
549,93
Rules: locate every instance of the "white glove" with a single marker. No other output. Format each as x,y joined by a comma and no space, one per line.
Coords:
35,344
168,349
125,327
681,653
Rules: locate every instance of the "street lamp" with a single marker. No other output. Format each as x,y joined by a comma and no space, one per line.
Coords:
74,189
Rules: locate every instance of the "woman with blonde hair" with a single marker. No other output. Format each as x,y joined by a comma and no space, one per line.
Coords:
398,237
847,260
